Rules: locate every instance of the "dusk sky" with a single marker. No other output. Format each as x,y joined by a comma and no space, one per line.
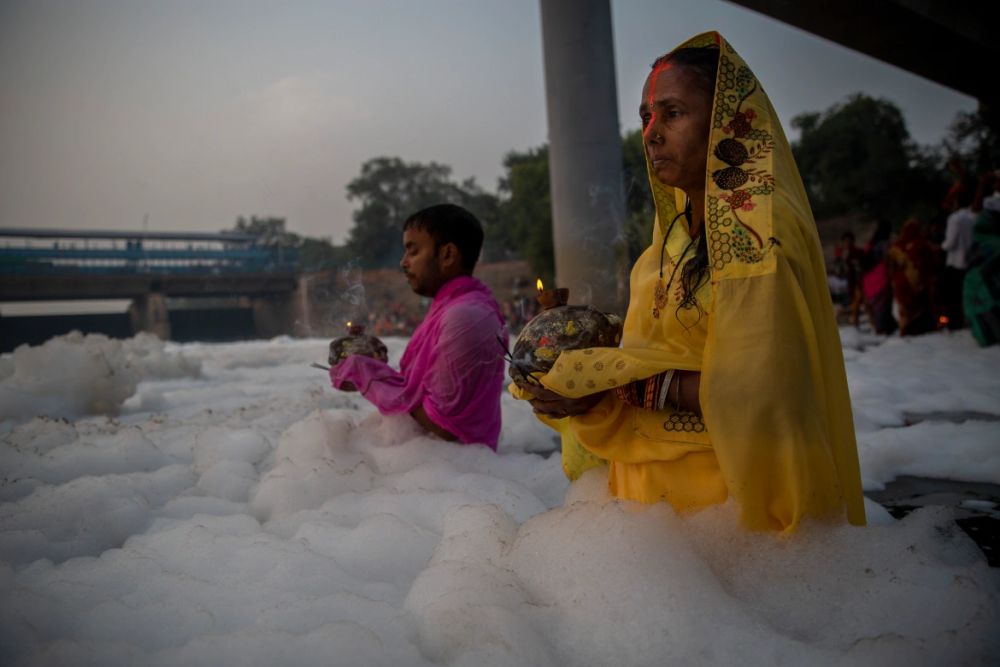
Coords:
196,112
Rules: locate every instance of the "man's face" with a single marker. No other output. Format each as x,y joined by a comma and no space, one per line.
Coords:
421,262
675,113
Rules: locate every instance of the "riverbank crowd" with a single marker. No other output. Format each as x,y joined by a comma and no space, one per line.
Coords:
926,276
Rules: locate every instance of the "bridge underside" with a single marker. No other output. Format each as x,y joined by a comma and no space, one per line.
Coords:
953,44
271,298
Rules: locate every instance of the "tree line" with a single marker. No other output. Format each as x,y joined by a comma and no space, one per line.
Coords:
856,158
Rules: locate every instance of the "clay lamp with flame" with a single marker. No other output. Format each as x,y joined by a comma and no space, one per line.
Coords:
556,328
551,298
355,342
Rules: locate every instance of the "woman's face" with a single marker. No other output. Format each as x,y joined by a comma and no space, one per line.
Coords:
675,113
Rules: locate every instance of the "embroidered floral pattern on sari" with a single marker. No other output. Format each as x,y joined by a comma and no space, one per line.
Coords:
746,176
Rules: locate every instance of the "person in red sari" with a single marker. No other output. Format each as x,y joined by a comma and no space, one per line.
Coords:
913,272
875,284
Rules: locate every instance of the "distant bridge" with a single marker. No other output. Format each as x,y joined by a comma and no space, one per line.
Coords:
44,264
195,286
150,267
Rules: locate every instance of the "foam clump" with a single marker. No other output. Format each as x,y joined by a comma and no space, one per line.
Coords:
307,560
65,454
74,375
962,452
599,582
258,517
313,463
921,376
225,460
87,515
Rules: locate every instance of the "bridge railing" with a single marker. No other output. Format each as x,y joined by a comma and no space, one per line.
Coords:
136,258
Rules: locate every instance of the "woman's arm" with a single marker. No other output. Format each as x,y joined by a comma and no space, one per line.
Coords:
688,384
682,394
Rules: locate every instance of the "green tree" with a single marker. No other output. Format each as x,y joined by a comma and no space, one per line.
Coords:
389,190
486,206
858,158
269,230
526,205
526,209
639,207
320,253
973,141
313,253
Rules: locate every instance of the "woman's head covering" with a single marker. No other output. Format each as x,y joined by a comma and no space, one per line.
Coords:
744,205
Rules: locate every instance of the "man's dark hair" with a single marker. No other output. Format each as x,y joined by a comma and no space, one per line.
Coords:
448,223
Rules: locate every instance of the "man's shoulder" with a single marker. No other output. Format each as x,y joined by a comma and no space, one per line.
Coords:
472,302
469,307
474,317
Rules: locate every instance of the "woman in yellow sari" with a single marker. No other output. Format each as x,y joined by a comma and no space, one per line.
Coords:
730,377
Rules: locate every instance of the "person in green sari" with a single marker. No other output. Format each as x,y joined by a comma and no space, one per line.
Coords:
981,291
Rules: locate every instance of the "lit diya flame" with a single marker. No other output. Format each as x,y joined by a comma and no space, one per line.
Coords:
551,298
356,342
557,328
943,321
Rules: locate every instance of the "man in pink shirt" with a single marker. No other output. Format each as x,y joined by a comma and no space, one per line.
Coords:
452,372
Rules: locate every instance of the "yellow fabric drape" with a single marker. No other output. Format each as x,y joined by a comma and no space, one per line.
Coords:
777,431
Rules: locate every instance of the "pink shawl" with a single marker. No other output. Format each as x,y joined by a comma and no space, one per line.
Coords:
453,365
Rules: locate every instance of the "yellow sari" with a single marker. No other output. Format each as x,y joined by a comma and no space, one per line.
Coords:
777,432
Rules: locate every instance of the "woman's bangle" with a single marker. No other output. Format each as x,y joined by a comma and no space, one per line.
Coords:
661,400
651,393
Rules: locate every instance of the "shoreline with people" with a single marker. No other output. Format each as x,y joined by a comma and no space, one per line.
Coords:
914,278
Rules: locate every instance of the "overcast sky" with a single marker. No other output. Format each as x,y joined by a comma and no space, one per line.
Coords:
195,112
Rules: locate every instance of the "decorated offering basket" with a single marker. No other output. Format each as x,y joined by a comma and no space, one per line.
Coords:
356,342
559,327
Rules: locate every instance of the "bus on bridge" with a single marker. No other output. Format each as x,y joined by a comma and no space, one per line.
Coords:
214,280
80,252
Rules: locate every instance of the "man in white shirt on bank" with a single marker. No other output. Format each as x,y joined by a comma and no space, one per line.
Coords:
957,244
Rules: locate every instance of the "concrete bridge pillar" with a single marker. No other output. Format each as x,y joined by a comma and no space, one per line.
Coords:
149,313
585,153
304,312
275,315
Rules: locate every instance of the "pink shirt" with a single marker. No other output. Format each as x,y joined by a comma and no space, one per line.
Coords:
453,365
